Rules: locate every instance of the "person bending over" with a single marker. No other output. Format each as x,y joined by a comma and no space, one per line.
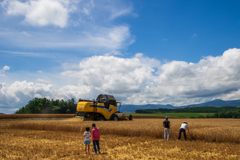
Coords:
183,128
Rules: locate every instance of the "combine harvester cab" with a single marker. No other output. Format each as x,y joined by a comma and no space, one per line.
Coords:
104,108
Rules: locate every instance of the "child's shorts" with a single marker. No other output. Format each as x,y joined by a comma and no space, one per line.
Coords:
86,142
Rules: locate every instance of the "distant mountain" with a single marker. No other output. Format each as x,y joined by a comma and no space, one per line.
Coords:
214,103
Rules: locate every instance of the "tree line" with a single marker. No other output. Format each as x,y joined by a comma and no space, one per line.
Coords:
224,114
219,112
46,106
190,110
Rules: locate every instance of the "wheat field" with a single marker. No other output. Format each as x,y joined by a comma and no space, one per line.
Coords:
137,139
211,130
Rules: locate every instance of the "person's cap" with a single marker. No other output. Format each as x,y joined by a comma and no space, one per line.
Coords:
166,117
93,124
185,122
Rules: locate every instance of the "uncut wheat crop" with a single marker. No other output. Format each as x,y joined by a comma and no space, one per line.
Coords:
210,130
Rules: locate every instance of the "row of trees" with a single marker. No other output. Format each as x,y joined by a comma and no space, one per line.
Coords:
228,114
190,110
46,106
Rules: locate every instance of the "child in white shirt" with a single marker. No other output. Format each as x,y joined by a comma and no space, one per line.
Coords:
87,141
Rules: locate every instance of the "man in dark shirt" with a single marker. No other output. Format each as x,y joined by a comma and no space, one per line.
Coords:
166,125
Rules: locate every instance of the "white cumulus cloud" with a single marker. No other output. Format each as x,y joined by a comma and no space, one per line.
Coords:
40,12
19,93
64,24
144,80
136,80
6,68
113,74
2,71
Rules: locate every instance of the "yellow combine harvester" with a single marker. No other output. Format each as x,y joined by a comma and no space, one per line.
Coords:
103,108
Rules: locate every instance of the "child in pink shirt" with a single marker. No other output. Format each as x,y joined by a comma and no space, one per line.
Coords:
95,138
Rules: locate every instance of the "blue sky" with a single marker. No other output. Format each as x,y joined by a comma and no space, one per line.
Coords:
158,52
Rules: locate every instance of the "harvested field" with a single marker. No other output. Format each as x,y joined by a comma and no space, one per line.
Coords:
137,139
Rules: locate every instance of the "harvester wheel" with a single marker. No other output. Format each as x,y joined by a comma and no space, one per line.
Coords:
115,118
130,117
